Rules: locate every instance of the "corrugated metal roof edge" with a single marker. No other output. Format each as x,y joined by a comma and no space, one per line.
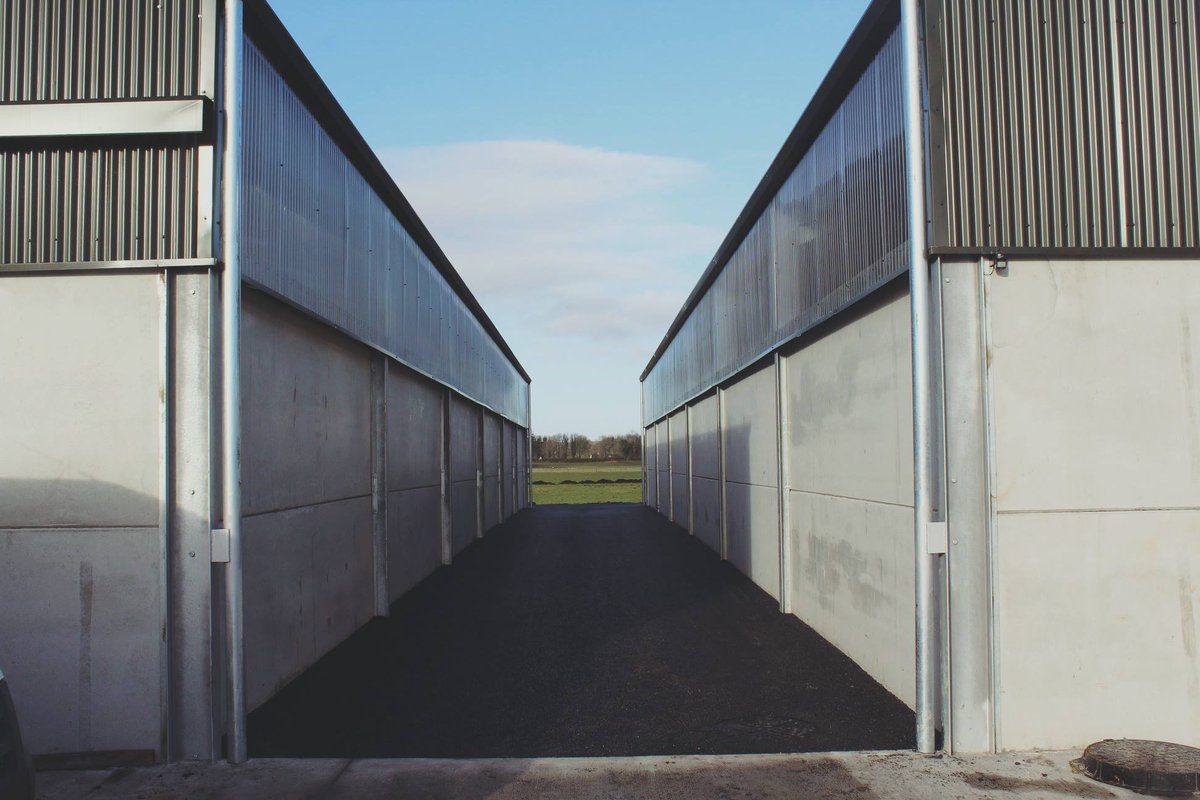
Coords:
267,31
877,23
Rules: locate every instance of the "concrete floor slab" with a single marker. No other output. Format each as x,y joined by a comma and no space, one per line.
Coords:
863,776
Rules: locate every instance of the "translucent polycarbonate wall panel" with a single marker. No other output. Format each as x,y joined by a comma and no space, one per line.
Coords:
833,233
67,50
839,218
316,233
82,200
1065,125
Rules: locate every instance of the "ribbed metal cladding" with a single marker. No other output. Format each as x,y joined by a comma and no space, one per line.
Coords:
316,233
833,233
99,203
65,50
1064,125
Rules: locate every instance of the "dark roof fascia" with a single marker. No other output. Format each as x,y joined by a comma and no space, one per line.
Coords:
267,31
877,23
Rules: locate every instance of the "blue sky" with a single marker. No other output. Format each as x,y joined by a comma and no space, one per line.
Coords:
578,161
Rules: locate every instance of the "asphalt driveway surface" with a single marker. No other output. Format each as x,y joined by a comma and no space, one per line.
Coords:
599,630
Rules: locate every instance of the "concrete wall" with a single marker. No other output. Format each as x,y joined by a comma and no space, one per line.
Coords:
84,474
752,478
1095,408
650,457
849,408
508,469
310,553
677,427
848,551
306,465
465,455
414,454
663,458
706,473
491,471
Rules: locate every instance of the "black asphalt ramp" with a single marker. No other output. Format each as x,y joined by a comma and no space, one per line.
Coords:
599,630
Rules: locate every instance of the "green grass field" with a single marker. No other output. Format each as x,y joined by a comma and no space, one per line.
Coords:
554,473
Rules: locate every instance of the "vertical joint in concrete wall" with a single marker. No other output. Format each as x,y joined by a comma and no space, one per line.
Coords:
379,437
447,552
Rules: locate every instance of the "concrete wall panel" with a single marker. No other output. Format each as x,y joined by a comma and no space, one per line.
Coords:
651,475
522,470
79,356
491,502
663,458
706,512
678,432
751,445
1122,337
850,451
491,445
306,410
706,453
308,585
679,500
464,524
677,426
508,464
850,399
753,519
1096,623
80,635
1097,479
414,538
413,426
852,581
464,439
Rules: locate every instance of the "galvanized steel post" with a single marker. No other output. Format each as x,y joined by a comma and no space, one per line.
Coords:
231,423
918,271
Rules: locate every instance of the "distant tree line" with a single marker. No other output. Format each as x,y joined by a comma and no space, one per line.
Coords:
577,447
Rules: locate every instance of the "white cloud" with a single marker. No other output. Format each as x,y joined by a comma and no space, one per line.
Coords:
569,230
581,256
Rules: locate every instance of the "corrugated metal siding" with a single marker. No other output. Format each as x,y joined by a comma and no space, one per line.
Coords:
65,50
833,232
1160,48
316,233
1065,125
100,203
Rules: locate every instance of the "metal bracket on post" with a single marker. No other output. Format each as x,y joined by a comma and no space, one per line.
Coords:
220,546
937,538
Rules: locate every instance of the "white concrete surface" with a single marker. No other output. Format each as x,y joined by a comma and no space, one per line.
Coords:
413,479
663,456
82,376
884,776
1096,413
750,442
850,405
680,489
706,471
306,491
81,588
